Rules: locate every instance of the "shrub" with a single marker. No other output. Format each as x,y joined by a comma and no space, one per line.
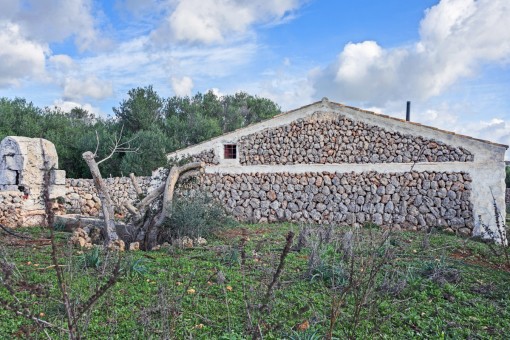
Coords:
194,216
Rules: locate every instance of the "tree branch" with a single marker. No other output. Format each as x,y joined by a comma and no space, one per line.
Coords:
118,146
135,184
168,193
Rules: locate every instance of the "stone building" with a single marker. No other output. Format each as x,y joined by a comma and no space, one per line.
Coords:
331,163
23,163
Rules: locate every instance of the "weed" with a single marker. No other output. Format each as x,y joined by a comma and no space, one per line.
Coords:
91,259
231,257
332,275
495,237
441,273
309,334
135,268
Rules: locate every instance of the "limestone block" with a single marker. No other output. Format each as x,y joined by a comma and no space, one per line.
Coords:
34,220
8,177
14,162
8,187
58,177
57,191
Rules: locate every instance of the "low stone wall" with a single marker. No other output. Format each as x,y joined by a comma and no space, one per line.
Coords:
410,200
11,213
81,195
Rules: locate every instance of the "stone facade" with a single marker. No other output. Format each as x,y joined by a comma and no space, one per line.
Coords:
81,195
331,163
11,212
24,163
207,156
322,163
338,139
410,200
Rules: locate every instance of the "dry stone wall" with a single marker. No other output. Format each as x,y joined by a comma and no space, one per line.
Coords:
410,200
81,195
11,212
342,140
208,157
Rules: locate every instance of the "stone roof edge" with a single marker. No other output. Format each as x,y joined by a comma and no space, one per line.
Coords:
326,101
422,125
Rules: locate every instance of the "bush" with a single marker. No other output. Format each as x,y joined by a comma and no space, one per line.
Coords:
195,216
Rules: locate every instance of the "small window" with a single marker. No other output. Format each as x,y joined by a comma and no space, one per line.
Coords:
230,151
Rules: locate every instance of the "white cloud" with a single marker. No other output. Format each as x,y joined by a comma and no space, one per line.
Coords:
182,86
457,37
446,116
28,27
66,106
287,86
216,91
137,63
55,20
214,21
495,129
62,62
19,57
87,87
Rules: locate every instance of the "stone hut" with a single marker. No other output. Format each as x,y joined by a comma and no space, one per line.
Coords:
331,163
23,162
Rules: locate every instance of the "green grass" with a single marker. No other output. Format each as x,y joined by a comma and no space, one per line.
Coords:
203,293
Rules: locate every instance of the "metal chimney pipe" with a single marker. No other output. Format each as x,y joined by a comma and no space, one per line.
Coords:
408,111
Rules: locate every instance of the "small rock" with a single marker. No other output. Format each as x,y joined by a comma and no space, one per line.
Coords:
200,241
185,242
117,245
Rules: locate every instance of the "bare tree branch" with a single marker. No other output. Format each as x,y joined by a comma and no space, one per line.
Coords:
135,184
97,144
119,146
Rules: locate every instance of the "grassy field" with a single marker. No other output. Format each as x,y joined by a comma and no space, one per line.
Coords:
364,283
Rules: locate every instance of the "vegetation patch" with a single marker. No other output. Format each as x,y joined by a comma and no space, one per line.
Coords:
250,282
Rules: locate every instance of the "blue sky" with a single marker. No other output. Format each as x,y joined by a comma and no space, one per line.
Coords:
451,58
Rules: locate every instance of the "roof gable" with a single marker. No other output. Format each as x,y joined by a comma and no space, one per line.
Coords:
329,110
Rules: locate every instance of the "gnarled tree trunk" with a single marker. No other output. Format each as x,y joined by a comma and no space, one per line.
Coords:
150,226
109,231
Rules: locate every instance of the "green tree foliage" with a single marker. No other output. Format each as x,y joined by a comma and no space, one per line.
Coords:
151,154
19,118
190,120
507,178
141,111
158,126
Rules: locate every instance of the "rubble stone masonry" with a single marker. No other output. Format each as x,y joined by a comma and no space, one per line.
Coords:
342,140
11,212
410,200
81,195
